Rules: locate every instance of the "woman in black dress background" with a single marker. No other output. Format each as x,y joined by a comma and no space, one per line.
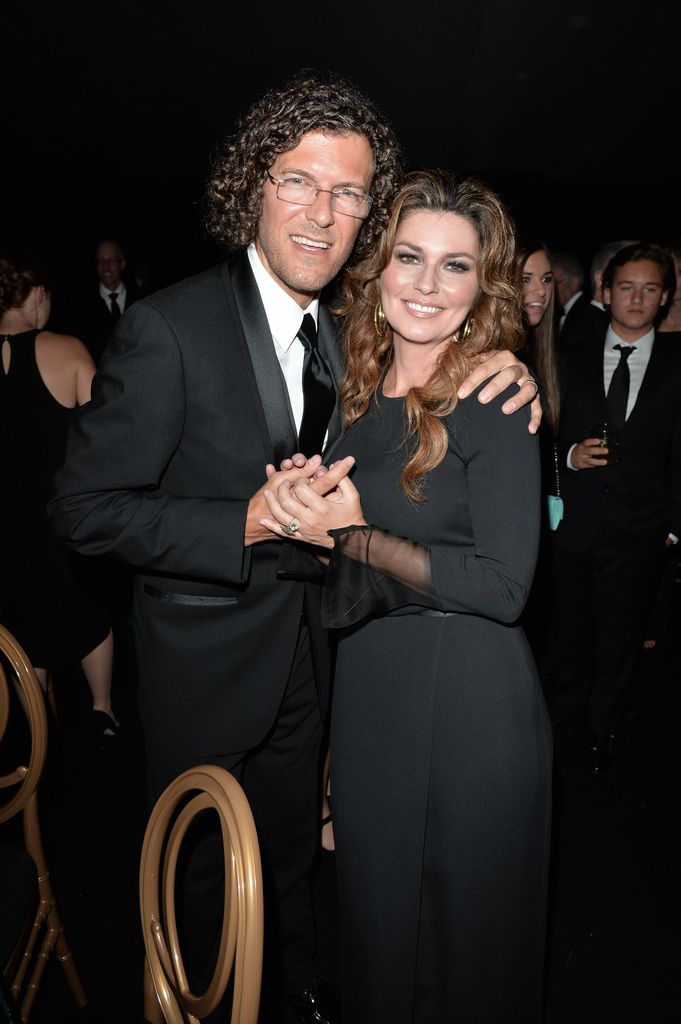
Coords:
46,597
540,352
441,748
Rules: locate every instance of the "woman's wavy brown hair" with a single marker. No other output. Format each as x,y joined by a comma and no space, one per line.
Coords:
493,321
542,346
275,124
20,271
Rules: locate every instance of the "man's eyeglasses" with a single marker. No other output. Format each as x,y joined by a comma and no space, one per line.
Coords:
293,189
108,261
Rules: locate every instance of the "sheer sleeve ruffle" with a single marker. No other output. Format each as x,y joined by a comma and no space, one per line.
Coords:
373,573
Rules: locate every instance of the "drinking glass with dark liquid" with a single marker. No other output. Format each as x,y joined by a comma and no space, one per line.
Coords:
609,437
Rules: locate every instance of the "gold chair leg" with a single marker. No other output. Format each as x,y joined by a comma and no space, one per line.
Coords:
152,1008
68,965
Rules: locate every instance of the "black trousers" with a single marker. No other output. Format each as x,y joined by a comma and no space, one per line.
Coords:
281,779
599,608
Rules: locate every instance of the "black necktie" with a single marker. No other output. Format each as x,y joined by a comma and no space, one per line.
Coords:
115,308
618,392
319,395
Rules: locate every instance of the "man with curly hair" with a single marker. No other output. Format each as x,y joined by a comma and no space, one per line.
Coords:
200,388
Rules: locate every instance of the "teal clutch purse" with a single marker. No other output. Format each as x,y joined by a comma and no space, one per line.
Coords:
555,504
554,501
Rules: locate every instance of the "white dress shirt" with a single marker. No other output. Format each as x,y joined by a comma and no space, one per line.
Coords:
285,317
637,362
120,295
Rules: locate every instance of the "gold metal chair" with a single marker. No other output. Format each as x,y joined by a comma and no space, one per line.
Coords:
166,988
27,964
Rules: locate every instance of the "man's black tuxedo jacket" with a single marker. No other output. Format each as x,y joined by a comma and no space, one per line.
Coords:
188,406
583,323
635,502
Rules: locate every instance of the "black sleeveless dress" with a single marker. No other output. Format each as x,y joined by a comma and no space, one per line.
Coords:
47,592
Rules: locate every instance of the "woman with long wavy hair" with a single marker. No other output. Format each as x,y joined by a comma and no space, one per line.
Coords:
535,280
540,352
440,742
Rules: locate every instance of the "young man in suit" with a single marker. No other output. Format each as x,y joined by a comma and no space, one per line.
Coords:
619,515
202,385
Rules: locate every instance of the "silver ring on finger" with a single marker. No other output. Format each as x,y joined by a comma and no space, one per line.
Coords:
529,380
291,528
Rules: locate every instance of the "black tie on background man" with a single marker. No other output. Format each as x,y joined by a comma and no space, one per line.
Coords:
617,397
618,516
201,387
115,308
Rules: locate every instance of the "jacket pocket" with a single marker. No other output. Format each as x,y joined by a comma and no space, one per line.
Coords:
173,597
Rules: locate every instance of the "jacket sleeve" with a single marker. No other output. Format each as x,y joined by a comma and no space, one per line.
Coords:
111,496
373,572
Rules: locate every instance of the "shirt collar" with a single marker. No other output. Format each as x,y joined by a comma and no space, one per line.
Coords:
643,345
284,315
106,292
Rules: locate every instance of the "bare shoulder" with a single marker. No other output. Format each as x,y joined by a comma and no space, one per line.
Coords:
63,347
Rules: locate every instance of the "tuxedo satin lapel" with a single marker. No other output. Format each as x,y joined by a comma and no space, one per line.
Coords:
330,349
268,376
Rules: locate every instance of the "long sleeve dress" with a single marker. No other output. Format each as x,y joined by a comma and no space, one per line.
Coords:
441,746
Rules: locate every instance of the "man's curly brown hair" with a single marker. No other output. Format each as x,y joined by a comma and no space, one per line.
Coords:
310,102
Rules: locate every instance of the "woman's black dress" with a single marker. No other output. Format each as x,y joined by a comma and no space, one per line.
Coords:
46,592
440,742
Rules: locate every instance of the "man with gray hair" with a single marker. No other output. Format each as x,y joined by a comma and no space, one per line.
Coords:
568,275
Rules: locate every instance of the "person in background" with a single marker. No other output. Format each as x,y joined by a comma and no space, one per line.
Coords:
535,272
672,320
47,597
568,276
659,618
622,500
540,352
97,309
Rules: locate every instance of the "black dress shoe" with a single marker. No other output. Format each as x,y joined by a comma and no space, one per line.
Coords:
319,1003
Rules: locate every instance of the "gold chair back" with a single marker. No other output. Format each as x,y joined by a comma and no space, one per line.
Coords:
241,944
44,935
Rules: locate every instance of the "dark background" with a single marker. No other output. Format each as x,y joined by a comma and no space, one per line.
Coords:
111,112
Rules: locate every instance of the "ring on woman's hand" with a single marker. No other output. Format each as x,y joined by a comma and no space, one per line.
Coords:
292,527
529,380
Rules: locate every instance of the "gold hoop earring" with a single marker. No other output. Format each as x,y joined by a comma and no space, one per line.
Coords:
467,329
380,322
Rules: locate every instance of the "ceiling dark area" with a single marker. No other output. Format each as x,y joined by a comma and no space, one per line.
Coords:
569,109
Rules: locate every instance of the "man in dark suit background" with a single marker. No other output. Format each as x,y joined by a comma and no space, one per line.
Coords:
568,277
618,515
97,309
201,386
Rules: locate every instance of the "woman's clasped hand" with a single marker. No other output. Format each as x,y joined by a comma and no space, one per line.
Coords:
306,509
